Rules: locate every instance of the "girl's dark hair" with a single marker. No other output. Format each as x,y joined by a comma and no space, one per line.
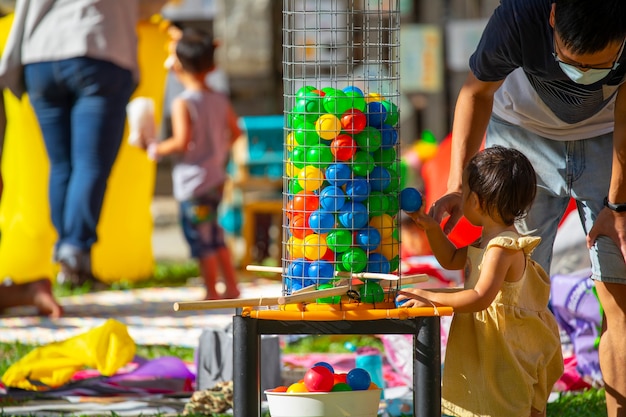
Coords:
589,26
504,181
195,50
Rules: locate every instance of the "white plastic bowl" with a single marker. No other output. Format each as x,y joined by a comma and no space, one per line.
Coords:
324,404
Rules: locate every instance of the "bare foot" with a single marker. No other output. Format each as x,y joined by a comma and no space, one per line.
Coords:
44,300
36,293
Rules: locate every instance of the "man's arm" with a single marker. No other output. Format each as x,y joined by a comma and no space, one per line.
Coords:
471,116
610,223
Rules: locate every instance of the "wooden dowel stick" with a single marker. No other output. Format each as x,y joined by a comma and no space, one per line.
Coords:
226,303
341,274
313,295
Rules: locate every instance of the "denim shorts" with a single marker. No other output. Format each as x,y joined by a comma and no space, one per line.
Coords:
579,169
202,231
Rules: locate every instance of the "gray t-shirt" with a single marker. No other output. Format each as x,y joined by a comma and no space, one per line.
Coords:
203,166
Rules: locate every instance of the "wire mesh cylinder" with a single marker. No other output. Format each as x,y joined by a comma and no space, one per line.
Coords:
341,180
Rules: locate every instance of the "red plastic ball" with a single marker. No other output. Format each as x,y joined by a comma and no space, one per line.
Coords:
306,202
319,379
298,226
343,147
353,121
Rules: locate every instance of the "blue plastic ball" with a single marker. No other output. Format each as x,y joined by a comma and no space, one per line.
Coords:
353,215
321,221
325,365
379,179
368,238
410,200
321,270
338,174
358,189
376,114
389,136
353,89
358,379
332,198
378,263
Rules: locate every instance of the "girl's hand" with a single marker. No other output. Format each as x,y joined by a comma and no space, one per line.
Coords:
412,297
423,220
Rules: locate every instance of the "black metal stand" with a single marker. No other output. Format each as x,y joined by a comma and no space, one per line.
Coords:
426,355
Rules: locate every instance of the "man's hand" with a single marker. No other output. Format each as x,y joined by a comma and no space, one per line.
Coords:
448,205
612,224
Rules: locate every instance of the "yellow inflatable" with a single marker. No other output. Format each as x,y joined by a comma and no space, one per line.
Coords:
124,248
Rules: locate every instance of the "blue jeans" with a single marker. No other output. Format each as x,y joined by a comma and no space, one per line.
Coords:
198,220
579,169
80,104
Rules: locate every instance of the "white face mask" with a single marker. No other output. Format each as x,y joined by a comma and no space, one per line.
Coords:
590,76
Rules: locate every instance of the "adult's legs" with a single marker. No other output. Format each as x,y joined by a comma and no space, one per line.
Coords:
80,105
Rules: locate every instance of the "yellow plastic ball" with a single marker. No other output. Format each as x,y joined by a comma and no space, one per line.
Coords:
291,170
389,248
384,224
295,247
328,126
297,387
290,141
374,97
310,178
315,246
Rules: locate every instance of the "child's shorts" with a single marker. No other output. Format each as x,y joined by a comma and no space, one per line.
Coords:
198,219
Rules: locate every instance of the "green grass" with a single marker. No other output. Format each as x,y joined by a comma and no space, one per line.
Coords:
590,403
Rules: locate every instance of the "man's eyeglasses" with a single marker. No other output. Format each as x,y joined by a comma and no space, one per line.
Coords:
613,66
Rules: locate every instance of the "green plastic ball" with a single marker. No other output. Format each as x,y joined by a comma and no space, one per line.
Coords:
354,260
339,240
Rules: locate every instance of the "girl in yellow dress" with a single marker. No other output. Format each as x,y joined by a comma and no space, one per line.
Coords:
504,353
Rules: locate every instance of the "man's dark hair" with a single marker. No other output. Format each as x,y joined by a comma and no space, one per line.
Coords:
195,50
588,26
504,181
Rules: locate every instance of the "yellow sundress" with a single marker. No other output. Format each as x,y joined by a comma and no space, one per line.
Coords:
501,361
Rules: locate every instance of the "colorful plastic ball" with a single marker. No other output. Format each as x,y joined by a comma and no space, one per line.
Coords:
385,157
343,147
311,178
359,379
374,97
326,365
368,238
339,240
376,114
328,126
318,379
294,186
314,247
394,263
305,202
298,226
379,179
389,248
394,180
302,91
377,263
305,135
358,101
371,292
337,102
410,200
321,221
389,136
319,156
290,141
298,156
295,247
354,260
384,224
332,198
342,386
369,139
297,387
309,103
353,215
394,205
353,89
358,189
338,174
280,388
392,113
340,377
377,203
353,121
334,299
362,163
